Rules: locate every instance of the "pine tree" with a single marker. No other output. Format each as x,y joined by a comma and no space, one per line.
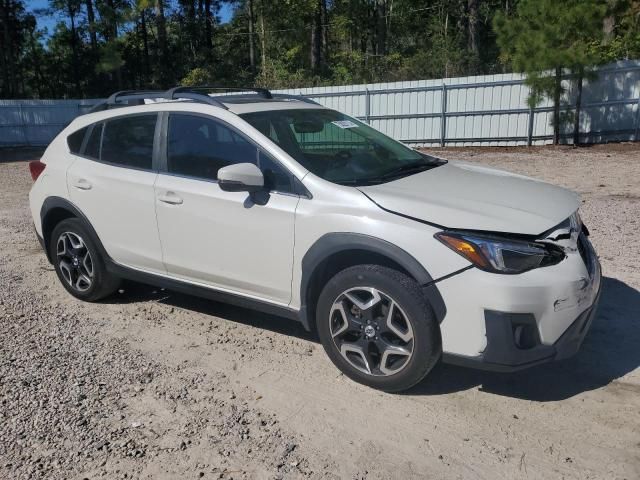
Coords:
546,38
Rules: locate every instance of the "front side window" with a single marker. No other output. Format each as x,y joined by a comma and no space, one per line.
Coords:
198,147
339,148
128,141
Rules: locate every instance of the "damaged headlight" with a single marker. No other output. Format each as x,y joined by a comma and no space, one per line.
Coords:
501,255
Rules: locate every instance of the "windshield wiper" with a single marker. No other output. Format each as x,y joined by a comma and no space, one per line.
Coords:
402,171
406,170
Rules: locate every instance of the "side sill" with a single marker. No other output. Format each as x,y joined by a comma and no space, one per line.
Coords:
198,291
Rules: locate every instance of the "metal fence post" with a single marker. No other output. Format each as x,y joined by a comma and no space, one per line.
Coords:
443,117
530,127
367,105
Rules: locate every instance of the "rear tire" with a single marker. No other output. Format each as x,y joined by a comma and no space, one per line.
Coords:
78,263
378,328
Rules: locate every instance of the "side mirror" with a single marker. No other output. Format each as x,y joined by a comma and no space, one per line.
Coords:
241,177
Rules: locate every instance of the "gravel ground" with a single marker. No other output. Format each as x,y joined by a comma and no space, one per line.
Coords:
152,384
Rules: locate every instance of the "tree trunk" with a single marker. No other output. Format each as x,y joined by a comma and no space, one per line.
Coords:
252,53
472,6
74,47
381,27
325,34
208,21
91,18
113,23
263,39
162,43
556,106
5,52
576,122
36,62
316,39
145,45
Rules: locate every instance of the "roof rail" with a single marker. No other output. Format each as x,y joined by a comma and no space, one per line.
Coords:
263,92
137,97
301,98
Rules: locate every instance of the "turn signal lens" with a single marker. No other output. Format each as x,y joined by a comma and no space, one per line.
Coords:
464,248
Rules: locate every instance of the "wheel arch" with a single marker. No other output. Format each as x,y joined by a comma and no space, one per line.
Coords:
333,252
56,209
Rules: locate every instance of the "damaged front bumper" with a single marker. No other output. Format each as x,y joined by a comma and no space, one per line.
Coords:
529,324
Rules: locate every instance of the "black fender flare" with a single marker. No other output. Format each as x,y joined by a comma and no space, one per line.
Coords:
53,203
332,243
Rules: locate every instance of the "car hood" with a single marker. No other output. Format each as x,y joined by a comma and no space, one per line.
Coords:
461,195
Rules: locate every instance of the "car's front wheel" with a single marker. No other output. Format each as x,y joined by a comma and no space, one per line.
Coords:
377,327
78,263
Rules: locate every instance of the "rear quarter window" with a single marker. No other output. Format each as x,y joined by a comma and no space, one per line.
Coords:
92,148
74,141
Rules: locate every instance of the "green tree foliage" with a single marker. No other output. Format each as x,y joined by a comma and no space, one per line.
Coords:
547,39
99,46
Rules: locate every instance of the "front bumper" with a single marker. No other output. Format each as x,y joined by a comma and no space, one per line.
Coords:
533,322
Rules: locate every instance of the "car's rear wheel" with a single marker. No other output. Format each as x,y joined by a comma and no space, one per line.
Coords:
78,263
377,327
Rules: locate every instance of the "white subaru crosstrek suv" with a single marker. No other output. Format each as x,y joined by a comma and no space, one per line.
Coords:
395,258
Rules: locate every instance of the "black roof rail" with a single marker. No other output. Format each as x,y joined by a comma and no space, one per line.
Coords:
137,97
263,92
301,98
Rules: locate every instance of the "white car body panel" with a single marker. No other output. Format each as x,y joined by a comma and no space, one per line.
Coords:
120,204
222,240
346,210
463,196
536,292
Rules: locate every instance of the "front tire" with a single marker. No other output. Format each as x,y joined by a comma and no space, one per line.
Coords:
377,327
78,263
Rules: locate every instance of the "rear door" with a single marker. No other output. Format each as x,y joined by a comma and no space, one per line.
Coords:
112,183
223,239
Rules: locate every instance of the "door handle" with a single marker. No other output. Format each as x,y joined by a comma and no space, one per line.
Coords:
170,198
82,184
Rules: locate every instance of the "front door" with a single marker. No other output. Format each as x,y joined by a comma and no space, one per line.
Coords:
223,239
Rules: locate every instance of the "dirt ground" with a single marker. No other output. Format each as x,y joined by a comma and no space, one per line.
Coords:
153,384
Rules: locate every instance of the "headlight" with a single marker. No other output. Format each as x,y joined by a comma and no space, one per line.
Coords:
501,255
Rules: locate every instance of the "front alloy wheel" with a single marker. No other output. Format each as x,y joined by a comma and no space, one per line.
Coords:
371,331
377,327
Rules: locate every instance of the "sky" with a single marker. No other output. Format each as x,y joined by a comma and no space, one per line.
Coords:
49,21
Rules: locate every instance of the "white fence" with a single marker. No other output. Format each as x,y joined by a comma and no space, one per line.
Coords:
481,110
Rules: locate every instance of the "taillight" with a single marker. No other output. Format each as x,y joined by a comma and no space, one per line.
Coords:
36,168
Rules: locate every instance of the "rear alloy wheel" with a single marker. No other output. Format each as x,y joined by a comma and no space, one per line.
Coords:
377,327
74,261
78,263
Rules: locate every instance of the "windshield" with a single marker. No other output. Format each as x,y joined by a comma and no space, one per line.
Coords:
339,148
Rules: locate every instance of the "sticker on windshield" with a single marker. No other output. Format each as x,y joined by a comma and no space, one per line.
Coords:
344,124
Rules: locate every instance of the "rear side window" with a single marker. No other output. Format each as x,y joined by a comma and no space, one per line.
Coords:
128,141
74,141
